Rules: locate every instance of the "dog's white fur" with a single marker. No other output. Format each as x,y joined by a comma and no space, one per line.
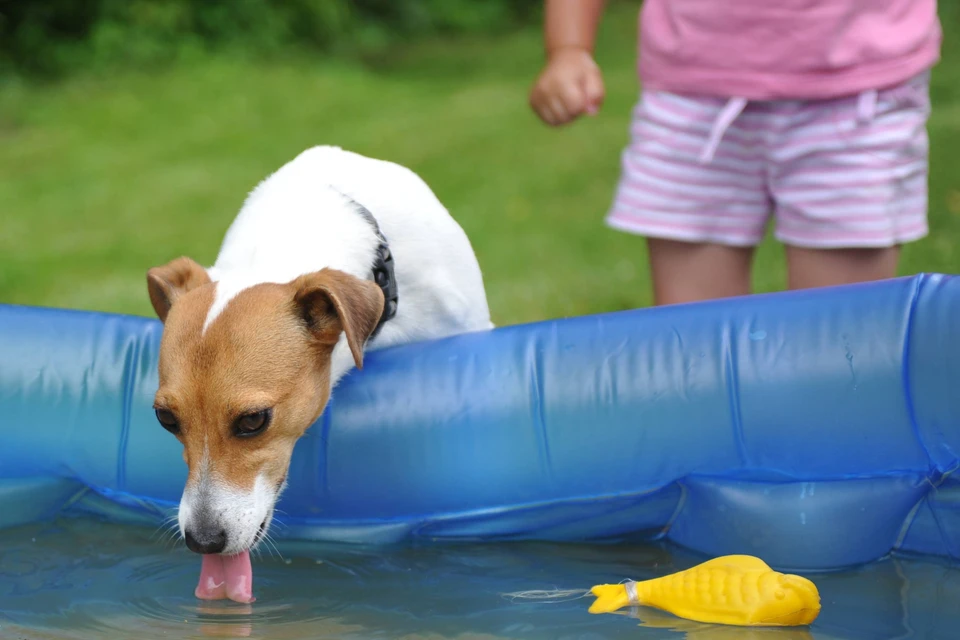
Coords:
298,221
301,220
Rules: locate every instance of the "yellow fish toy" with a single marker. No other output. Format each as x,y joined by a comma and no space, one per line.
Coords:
732,590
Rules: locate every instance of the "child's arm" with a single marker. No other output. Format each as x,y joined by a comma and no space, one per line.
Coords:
570,84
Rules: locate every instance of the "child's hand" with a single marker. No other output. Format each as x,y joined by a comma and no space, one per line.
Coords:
570,86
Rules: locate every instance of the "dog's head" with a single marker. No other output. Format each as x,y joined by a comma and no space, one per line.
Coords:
242,377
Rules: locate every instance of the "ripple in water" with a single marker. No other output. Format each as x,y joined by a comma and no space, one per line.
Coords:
79,579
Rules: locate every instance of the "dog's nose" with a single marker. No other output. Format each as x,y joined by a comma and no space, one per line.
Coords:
206,542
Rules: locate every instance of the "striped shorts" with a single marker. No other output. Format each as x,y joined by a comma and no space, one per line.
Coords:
847,172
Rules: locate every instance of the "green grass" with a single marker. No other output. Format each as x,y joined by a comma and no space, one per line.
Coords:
103,177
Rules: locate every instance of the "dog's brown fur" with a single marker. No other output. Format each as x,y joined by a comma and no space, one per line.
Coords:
269,348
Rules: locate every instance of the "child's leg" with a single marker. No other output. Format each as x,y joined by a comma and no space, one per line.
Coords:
691,271
808,268
702,218
849,179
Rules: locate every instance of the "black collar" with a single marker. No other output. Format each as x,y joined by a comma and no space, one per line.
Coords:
383,273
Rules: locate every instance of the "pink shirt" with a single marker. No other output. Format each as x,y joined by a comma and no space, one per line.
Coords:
782,49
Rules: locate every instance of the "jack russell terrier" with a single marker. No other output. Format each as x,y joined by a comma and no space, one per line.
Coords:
333,254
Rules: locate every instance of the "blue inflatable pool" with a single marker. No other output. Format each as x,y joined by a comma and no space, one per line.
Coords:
816,429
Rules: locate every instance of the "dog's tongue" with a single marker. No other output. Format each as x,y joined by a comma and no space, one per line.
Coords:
226,577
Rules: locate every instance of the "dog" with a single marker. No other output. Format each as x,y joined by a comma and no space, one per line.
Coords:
333,255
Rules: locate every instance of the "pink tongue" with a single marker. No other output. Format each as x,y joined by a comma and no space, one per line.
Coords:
226,577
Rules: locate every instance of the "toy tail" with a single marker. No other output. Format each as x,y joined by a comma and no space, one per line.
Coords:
610,597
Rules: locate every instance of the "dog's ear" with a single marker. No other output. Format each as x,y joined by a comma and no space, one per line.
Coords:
167,283
331,302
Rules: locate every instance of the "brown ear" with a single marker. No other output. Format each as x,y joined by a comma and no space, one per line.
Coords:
165,284
332,302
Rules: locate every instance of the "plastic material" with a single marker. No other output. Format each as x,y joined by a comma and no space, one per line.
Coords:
815,429
733,590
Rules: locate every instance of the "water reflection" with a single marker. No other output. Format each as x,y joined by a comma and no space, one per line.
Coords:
696,631
78,579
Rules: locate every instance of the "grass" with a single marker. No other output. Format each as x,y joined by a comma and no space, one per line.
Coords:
105,176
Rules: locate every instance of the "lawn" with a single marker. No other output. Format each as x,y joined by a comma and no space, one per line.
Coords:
105,176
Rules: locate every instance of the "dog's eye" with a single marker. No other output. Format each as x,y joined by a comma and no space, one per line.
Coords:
168,421
253,423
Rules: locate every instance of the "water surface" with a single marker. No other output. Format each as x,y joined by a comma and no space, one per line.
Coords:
81,579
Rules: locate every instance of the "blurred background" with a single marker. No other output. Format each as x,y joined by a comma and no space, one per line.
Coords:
131,130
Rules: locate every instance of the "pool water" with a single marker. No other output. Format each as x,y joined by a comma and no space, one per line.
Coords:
82,579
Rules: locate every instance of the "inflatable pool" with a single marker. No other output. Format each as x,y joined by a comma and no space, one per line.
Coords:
815,429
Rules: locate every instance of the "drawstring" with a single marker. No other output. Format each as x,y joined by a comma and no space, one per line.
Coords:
866,110
733,108
866,106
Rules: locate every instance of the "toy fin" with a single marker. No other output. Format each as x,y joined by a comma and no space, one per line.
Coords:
743,563
610,597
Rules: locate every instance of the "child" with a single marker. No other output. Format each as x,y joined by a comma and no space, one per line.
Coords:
813,111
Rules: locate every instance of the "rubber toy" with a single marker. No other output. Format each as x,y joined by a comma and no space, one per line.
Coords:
732,590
